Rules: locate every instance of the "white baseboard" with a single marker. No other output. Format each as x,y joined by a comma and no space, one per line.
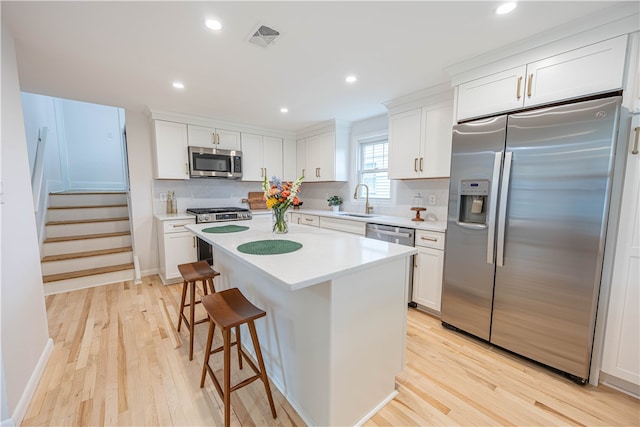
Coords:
23,404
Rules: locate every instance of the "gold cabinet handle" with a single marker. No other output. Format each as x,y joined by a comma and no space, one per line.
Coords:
213,138
194,241
421,160
529,81
635,144
308,219
415,164
431,239
303,170
519,87
317,172
186,168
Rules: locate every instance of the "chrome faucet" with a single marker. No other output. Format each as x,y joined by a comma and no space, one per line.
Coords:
367,208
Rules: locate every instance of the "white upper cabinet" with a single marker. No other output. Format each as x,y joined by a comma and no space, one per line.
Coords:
593,69
261,156
289,158
325,152
420,143
201,136
301,157
170,150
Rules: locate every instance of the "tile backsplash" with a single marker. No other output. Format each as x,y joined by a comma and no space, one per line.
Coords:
201,193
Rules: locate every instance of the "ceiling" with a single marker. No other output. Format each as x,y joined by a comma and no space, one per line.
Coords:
127,54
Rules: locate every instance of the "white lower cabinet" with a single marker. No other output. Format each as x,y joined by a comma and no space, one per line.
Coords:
427,271
177,246
345,225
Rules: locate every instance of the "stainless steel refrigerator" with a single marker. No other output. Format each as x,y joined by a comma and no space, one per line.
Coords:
528,205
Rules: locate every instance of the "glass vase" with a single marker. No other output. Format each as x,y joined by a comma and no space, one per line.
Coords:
280,223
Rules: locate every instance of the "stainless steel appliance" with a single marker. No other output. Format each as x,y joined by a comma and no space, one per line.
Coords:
204,215
399,235
528,205
207,162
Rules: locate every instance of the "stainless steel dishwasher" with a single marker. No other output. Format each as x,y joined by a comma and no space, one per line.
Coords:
401,236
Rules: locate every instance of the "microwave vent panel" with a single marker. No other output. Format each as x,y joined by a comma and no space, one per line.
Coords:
264,36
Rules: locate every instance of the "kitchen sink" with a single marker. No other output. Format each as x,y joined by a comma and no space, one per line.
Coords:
357,215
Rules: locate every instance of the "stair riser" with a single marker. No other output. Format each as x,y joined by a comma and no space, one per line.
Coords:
67,230
71,199
86,213
77,264
74,246
88,281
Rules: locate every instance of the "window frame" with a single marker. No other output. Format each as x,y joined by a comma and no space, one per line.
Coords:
361,171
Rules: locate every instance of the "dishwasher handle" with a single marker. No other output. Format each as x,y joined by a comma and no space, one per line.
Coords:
389,233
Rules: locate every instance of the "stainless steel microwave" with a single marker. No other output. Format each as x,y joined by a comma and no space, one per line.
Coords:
207,162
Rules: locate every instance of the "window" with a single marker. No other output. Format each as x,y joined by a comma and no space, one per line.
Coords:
372,170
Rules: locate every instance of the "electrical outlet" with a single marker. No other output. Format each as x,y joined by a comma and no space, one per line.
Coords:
163,197
432,199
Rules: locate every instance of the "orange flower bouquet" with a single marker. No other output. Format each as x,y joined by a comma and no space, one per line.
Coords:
279,196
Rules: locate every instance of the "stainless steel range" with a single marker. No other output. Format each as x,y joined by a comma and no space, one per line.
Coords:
205,215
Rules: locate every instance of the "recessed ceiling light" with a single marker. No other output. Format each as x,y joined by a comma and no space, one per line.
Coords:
284,110
506,8
178,85
212,24
351,79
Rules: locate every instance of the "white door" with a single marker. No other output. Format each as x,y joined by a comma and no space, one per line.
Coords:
427,279
228,139
252,165
320,157
435,155
201,136
622,335
592,69
172,159
496,93
405,130
289,158
272,156
180,248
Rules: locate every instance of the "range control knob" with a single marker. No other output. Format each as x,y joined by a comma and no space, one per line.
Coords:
204,218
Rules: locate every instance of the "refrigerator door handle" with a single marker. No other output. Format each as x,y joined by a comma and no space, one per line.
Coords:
493,204
502,215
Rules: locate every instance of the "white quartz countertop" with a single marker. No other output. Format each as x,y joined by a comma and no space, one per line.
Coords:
325,254
178,216
379,219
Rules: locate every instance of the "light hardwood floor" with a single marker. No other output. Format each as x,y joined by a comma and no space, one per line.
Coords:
117,360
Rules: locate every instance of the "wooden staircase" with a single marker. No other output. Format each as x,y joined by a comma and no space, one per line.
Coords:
88,241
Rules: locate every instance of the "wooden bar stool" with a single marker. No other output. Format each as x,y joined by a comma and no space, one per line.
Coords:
230,309
192,273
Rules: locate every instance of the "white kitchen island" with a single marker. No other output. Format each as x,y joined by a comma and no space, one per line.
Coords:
334,336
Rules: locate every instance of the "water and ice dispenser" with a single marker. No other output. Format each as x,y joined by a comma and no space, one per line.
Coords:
473,201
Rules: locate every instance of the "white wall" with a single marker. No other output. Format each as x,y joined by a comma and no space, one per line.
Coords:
25,338
141,190
93,145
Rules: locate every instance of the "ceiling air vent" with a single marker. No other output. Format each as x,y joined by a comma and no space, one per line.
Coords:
264,36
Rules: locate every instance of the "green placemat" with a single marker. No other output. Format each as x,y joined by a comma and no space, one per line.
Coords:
269,247
225,229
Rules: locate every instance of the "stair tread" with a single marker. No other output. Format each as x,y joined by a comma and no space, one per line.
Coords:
119,205
85,221
83,273
85,254
86,236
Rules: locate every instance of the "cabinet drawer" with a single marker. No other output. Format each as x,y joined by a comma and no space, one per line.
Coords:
176,226
354,227
430,239
306,219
